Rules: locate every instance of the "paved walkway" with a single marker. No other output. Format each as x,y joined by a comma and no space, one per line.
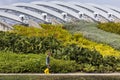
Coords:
65,74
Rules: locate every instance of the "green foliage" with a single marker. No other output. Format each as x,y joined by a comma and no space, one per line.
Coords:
17,43
33,63
93,33
66,38
64,66
90,61
113,40
79,54
110,27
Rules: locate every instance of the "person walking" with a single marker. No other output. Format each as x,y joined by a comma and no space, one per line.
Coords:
48,59
47,62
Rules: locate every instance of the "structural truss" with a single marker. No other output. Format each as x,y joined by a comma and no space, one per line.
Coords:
60,11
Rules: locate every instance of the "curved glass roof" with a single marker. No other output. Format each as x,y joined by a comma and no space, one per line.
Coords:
55,9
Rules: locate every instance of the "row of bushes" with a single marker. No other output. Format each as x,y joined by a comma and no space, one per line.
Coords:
35,63
110,27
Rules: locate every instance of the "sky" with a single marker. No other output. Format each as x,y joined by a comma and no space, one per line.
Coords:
100,2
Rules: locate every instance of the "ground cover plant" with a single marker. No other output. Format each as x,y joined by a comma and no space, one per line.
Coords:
92,31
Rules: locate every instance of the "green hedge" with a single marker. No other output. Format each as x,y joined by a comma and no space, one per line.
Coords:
35,63
32,63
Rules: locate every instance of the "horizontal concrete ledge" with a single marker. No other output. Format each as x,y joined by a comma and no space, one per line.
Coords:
60,74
